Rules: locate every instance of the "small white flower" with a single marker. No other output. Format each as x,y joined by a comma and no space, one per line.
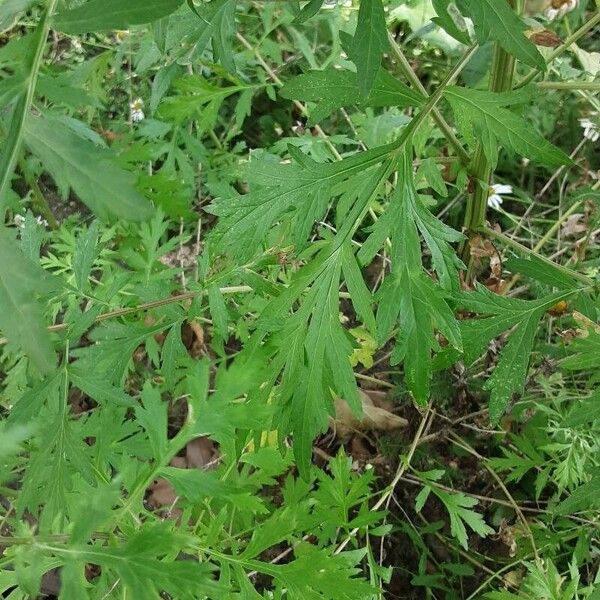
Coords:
136,112
591,130
76,45
19,221
495,194
559,8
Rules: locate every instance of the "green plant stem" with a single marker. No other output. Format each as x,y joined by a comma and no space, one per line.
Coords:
521,249
501,79
434,98
23,105
556,226
576,86
446,129
572,39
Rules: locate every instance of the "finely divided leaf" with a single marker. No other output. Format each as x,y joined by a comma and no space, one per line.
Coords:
408,295
335,88
140,568
481,116
504,314
335,576
216,21
106,15
299,191
459,510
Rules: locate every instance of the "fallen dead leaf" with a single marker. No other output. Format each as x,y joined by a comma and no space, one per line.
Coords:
573,225
200,453
375,418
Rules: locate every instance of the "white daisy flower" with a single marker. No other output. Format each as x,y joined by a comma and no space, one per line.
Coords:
136,112
495,194
559,8
591,130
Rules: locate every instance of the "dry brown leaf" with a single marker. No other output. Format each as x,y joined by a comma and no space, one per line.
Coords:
200,453
546,38
480,247
573,225
193,338
374,418
161,494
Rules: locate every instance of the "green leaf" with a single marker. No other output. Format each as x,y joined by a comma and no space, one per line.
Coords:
450,19
107,15
32,234
459,509
172,352
310,350
218,311
299,191
420,307
141,569
408,208
75,162
197,98
335,576
86,250
409,296
21,317
152,416
310,9
587,411
481,116
369,43
360,295
216,21
523,317
541,271
496,20
335,88
584,351
582,498
99,389
195,484
10,11
23,92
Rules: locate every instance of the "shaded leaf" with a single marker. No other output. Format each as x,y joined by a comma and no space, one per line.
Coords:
21,317
77,163
106,15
